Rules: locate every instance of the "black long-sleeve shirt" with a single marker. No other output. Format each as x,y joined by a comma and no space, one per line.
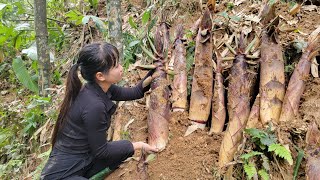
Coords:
89,118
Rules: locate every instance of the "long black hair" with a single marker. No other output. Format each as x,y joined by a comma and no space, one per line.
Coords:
93,58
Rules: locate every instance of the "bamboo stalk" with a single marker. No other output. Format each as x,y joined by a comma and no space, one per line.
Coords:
202,84
238,106
179,87
218,100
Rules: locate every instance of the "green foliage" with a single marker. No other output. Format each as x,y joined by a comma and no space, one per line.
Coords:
23,75
34,116
139,42
5,135
100,24
247,156
281,151
265,142
271,2
263,174
261,138
94,3
146,17
230,5
250,170
75,17
132,23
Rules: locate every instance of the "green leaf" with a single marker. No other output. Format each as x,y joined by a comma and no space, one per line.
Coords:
132,23
133,43
17,43
224,14
151,25
74,16
150,158
145,17
253,132
250,170
4,135
282,152
298,162
271,2
263,138
22,74
2,6
250,154
100,24
263,174
268,139
94,3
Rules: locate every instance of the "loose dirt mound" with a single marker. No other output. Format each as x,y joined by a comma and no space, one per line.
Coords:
188,157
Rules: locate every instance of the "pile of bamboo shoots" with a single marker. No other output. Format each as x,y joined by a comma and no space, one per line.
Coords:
273,104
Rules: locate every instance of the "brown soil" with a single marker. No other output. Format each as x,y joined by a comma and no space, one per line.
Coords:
188,157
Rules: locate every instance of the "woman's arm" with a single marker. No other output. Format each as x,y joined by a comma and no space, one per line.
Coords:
137,92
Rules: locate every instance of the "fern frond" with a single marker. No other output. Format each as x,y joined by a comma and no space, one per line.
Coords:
281,151
247,156
263,174
250,170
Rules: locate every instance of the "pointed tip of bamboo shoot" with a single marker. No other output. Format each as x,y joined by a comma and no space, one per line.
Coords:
158,40
179,32
206,22
242,47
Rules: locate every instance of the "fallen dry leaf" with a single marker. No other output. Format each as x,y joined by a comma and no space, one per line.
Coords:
309,7
253,18
238,2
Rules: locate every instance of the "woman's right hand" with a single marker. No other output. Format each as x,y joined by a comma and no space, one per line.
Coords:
146,147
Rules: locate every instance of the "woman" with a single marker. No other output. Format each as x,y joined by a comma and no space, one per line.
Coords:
79,145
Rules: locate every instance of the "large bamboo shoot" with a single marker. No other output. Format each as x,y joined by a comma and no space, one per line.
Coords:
179,87
272,79
159,114
202,82
218,100
238,106
297,83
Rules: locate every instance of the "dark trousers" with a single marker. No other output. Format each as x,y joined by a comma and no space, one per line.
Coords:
62,165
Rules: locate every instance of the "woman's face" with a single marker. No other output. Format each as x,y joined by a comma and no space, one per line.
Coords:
114,75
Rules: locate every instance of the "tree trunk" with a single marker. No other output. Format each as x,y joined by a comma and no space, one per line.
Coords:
44,68
115,25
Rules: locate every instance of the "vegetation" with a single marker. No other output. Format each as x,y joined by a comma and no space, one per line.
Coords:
264,147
